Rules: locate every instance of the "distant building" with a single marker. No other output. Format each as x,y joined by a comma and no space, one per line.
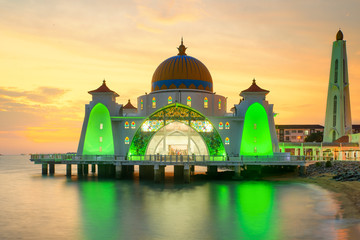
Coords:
296,133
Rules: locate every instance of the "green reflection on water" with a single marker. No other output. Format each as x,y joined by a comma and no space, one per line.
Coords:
99,210
255,210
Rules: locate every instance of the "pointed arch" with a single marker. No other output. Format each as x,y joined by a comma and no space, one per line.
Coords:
99,138
256,138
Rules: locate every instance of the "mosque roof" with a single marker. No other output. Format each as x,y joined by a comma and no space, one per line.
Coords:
343,139
182,72
339,35
255,88
129,105
102,89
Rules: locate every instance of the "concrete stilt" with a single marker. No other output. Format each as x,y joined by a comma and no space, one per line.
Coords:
157,174
86,169
106,170
68,170
93,168
192,169
119,171
186,174
52,169
146,171
237,172
302,170
44,169
179,172
80,170
211,171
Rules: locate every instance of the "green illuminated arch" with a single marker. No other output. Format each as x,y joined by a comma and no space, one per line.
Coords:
256,138
99,137
171,113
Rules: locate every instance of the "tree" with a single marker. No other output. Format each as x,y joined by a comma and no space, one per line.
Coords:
315,137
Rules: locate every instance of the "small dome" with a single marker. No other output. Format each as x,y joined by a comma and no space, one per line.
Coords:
182,72
339,35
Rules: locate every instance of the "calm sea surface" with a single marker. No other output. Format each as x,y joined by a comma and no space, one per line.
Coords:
55,207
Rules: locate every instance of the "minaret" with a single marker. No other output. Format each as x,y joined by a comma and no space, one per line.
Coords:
338,113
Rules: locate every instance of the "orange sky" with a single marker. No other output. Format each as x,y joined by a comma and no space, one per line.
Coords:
52,52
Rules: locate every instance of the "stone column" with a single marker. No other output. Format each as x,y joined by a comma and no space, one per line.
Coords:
158,173
52,168
93,168
237,172
211,171
68,170
118,171
186,174
86,169
80,170
340,156
44,169
178,172
302,170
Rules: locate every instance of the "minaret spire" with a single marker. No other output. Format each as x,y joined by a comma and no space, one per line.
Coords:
338,112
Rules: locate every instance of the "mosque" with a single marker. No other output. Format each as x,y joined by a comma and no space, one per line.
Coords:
182,115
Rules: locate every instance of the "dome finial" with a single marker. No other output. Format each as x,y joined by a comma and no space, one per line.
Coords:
254,81
339,35
182,48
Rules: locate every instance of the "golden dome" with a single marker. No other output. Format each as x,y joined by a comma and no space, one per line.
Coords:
182,72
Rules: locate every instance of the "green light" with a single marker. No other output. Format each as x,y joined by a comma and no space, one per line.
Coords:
256,138
99,137
255,210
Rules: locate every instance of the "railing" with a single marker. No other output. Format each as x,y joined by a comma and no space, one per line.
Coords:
170,158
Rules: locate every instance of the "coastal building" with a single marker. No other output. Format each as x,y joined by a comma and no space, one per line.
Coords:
338,112
181,115
296,132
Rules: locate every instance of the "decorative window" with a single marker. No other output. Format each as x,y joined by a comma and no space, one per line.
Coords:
219,103
255,150
169,100
188,101
154,102
100,139
227,141
141,104
254,139
227,125
127,140
100,149
286,132
126,125
133,125
336,71
206,102
334,111
221,125
101,126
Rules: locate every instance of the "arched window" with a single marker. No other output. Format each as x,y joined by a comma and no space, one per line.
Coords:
126,125
334,111
221,125
227,125
100,139
154,102
344,71
227,141
219,103
188,101
101,126
169,100
205,102
336,71
127,140
141,104
133,125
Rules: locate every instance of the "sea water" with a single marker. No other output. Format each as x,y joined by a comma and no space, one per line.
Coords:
33,206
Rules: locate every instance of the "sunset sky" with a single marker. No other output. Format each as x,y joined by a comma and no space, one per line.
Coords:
53,52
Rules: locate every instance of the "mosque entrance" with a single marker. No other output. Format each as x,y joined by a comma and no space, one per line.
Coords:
177,138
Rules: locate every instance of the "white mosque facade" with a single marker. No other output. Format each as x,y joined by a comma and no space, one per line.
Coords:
180,116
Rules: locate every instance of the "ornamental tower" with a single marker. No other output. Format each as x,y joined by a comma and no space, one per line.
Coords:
338,113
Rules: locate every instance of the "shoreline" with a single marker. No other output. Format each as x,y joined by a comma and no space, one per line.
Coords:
347,193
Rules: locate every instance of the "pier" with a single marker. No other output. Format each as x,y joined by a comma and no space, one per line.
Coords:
153,166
